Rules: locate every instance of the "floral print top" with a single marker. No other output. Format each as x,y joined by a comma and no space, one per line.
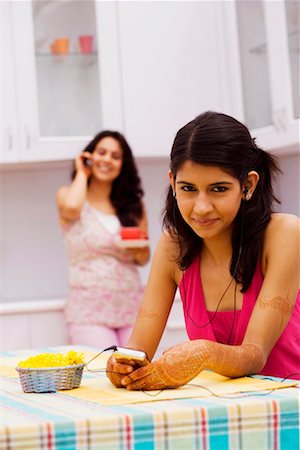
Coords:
104,282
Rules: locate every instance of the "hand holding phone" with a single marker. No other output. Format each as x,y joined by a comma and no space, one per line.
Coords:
87,162
131,357
84,161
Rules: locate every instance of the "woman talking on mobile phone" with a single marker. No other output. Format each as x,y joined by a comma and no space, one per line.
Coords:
104,285
234,260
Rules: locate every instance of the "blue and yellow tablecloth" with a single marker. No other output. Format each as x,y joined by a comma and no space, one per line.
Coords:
212,413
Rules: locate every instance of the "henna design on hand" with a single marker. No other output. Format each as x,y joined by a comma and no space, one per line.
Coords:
176,367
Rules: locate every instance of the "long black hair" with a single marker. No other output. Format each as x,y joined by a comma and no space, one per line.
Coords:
127,193
216,139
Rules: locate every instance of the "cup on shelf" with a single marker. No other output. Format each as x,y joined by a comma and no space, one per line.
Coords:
86,43
60,46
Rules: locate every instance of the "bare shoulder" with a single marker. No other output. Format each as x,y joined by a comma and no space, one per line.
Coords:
169,248
169,245
282,238
283,224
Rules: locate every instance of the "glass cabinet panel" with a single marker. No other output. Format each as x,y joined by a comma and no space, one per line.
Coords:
254,63
292,8
66,68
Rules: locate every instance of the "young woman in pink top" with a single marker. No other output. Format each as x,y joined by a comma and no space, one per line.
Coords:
234,260
104,285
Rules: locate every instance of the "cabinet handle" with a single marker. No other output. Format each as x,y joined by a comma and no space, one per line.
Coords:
9,140
27,138
282,119
275,120
279,120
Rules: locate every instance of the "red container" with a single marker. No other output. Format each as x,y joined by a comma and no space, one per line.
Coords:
127,233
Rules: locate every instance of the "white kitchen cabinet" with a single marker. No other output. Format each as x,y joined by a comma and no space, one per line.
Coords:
155,66
263,54
63,99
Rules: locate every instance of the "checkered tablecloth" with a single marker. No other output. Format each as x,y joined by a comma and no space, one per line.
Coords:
71,420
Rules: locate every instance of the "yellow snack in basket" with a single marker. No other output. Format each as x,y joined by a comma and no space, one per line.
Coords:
52,360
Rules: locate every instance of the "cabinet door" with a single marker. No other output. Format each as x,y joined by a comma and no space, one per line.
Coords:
279,36
254,51
265,73
9,126
171,69
58,77
292,18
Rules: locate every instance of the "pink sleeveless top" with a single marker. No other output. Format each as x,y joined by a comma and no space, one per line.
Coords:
284,359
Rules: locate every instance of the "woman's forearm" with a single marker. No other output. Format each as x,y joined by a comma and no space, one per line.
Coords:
183,362
229,360
76,194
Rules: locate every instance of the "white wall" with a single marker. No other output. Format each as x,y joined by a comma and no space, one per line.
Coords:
289,184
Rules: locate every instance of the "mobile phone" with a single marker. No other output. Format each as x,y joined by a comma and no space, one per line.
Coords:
129,356
87,162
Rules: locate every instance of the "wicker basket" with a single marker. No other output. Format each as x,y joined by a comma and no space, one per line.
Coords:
50,379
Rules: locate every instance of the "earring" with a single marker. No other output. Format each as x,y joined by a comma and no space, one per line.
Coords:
174,194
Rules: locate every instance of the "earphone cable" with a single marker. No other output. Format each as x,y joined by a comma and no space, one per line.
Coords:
112,347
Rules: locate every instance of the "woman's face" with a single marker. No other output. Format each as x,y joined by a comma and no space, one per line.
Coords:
208,199
107,159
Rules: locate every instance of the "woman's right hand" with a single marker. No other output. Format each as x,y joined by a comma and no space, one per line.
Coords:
81,166
117,371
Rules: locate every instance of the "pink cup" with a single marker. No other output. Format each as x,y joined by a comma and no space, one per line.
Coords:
86,43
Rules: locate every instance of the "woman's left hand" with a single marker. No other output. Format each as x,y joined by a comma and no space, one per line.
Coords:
139,255
176,367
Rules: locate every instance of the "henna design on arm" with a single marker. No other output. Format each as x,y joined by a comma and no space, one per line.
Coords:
280,304
236,361
146,313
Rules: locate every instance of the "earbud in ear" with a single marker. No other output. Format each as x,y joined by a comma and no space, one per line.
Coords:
246,192
174,194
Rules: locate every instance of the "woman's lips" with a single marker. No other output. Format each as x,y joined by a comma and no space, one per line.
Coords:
103,169
205,222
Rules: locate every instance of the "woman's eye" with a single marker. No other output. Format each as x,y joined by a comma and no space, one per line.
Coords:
116,156
188,188
219,189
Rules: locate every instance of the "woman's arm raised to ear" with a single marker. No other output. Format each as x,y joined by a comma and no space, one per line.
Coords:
70,199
